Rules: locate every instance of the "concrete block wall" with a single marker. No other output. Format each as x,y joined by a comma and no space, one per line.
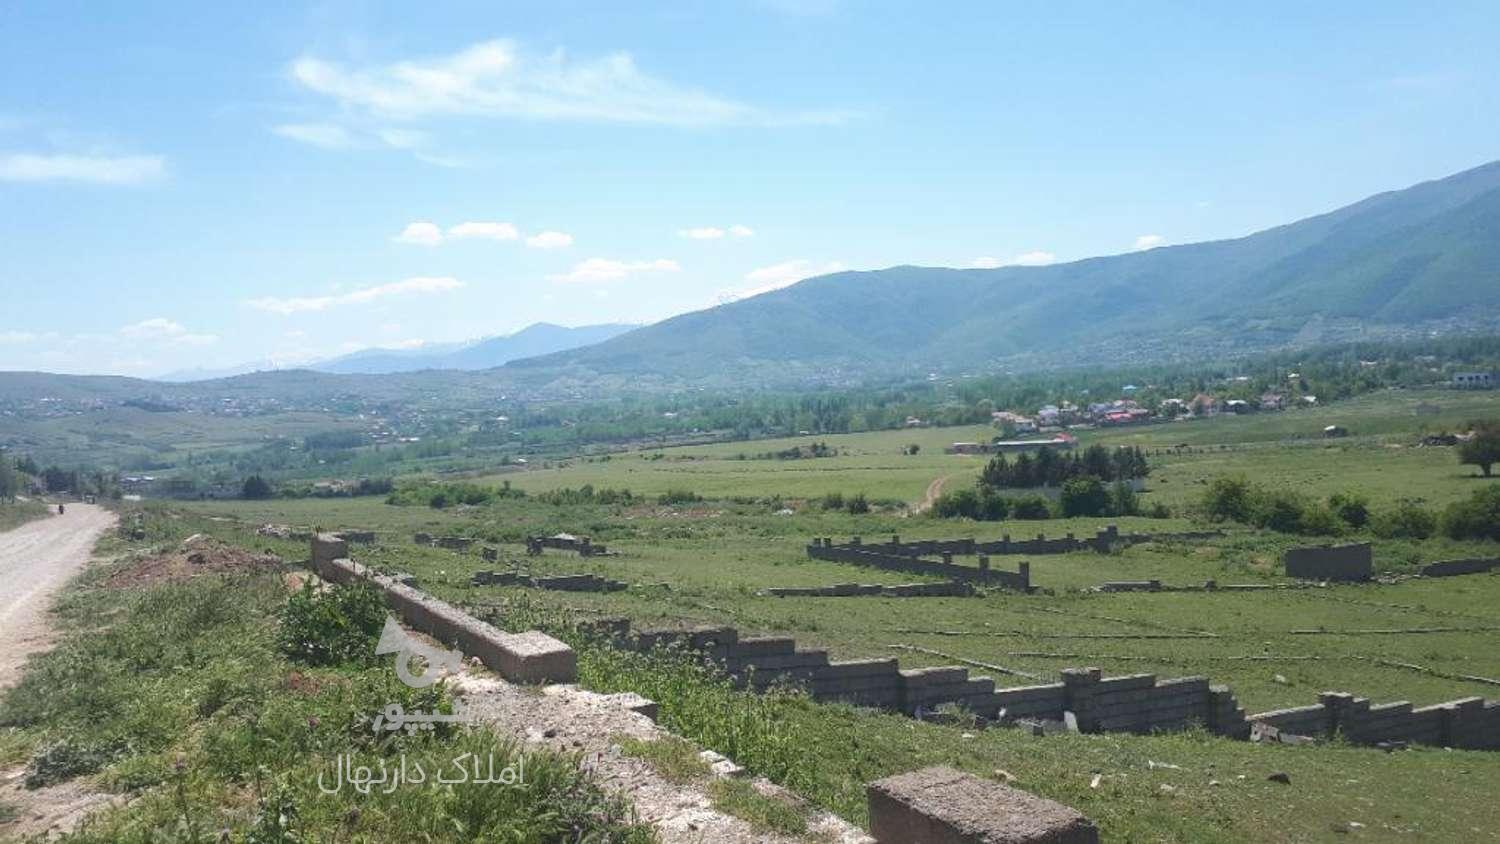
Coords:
1137,703
1468,723
1330,562
872,556
562,583
953,589
529,657
582,545
1449,568
1102,541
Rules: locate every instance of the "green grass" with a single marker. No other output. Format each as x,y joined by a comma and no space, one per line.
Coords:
179,695
764,813
13,514
676,759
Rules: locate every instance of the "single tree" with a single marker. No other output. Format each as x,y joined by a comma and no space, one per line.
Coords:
255,488
1483,448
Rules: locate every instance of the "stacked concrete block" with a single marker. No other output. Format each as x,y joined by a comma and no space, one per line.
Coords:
1131,586
489,554
1045,702
865,682
454,543
943,806
359,537
861,555
925,689
1314,720
1141,705
420,538
1225,715
327,547
530,657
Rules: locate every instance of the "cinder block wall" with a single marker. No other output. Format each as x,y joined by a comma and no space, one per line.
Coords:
873,557
1449,568
1333,562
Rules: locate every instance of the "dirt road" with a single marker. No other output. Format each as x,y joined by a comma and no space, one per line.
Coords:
36,559
934,490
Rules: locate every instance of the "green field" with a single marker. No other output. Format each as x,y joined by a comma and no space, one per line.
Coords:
703,563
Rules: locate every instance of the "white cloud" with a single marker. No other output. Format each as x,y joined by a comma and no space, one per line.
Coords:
483,231
715,232
324,135
1034,258
103,170
421,233
498,79
1149,241
550,240
163,330
18,338
303,304
598,270
777,276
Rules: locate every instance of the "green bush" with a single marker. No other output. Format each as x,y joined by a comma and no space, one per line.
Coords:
1351,508
981,504
858,503
679,496
1476,518
1229,498
334,626
1407,521
1084,496
1031,507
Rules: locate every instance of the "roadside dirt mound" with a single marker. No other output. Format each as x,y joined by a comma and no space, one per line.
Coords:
197,555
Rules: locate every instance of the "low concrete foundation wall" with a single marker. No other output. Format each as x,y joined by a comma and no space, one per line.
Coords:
561,583
1468,723
955,589
530,657
1449,568
1019,580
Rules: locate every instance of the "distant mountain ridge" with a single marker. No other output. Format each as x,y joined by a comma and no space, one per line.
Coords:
1397,262
536,339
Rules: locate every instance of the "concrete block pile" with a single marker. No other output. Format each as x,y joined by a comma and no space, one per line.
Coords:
940,805
875,556
952,589
560,583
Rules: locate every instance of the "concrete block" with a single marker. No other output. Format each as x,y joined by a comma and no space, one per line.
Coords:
943,806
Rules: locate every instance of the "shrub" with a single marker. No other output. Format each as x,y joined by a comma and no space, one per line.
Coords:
256,488
1228,498
1476,518
1031,507
1158,511
833,501
1123,500
1352,509
679,496
982,504
858,503
1407,521
1319,520
1084,496
331,627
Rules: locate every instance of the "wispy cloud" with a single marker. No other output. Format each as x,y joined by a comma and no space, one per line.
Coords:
1034,258
550,240
498,79
302,304
483,231
325,135
715,232
96,169
163,330
424,233
777,276
421,233
1149,241
599,270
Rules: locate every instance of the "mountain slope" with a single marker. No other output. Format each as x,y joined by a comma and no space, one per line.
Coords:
1389,263
537,339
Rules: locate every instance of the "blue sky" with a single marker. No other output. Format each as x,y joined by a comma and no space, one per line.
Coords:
189,185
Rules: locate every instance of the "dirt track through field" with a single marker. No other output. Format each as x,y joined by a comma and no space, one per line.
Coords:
36,559
934,490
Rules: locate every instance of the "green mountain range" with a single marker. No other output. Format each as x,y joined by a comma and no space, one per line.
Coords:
1413,261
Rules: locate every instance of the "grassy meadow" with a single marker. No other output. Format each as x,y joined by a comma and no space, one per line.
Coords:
703,562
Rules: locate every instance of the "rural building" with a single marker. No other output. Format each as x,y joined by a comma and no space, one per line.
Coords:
1474,380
